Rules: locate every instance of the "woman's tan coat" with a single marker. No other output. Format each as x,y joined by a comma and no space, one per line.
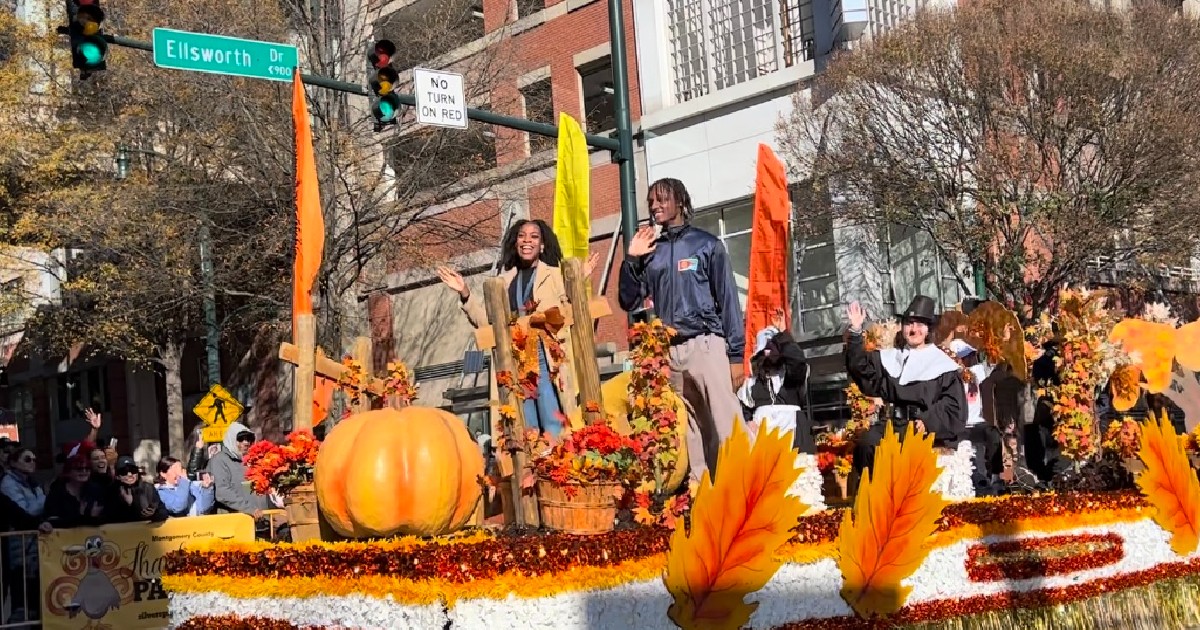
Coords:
549,291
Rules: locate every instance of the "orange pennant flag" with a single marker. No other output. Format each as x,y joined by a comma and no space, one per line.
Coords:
310,223
768,288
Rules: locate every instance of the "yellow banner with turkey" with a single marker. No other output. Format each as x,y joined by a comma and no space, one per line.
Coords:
107,578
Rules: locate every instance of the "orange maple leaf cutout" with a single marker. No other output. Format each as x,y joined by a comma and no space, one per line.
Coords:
1170,485
882,540
1154,343
738,524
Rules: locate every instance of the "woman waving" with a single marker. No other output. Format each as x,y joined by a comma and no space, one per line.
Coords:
529,260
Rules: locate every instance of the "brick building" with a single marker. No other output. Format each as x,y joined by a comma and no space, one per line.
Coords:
557,59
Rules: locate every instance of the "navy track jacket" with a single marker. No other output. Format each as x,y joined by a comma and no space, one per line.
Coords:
689,278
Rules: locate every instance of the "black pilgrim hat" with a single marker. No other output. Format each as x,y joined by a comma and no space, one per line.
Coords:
922,308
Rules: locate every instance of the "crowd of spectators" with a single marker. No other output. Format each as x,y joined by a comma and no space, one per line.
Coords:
93,486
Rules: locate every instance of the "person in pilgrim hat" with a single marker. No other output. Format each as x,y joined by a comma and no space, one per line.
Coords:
774,392
918,382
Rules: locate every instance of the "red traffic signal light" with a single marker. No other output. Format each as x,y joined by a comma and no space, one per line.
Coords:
381,56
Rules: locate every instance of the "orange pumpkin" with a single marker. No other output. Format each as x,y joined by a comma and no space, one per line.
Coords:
398,471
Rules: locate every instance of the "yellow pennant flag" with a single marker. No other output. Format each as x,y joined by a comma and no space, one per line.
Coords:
572,217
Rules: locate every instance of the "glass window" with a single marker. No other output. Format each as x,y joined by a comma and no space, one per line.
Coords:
599,95
739,258
739,218
539,107
817,262
22,409
70,393
818,292
709,222
529,7
821,320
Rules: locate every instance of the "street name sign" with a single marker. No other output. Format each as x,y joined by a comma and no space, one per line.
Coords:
440,98
217,54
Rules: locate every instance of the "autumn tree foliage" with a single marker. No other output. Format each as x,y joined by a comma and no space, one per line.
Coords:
204,147
1025,137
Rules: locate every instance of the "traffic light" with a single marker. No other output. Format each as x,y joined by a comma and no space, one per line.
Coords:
88,47
383,84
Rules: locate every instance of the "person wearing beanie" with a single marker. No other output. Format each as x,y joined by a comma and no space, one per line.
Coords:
775,390
132,498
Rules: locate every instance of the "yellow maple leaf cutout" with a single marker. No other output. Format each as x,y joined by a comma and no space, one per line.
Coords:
1170,484
738,524
1154,344
882,540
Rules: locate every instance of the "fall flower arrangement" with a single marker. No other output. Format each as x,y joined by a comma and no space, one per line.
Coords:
539,329
654,421
835,449
397,383
1123,438
1085,361
881,335
282,466
592,454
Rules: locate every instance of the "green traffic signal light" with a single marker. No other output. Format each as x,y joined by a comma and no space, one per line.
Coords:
91,53
387,108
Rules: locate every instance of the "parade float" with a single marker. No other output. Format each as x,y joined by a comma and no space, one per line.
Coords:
600,531
752,548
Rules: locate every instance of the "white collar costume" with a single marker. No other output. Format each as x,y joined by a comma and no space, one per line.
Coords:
908,366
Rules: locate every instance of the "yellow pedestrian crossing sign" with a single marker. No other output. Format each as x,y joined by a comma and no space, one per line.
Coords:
217,410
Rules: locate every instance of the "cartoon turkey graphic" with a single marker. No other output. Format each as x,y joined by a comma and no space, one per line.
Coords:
103,587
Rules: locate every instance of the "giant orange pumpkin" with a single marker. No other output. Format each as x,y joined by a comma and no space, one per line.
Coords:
398,471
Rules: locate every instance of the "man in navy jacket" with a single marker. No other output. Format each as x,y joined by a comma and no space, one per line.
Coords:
686,272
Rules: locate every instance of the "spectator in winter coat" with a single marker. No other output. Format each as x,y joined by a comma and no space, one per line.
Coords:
775,390
182,496
21,571
228,474
73,500
131,498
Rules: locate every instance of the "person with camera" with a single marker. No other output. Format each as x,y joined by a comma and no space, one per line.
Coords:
180,495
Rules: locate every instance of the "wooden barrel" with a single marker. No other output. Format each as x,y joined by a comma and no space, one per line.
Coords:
587,509
303,516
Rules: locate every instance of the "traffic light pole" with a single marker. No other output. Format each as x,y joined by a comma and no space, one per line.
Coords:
621,147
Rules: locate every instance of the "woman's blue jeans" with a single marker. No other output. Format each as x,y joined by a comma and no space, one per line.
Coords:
543,411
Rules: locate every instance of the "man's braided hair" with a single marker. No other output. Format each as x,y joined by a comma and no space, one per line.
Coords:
676,190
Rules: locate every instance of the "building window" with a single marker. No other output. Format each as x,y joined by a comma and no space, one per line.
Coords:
716,44
78,390
599,95
818,293
914,267
429,159
539,107
731,224
526,8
